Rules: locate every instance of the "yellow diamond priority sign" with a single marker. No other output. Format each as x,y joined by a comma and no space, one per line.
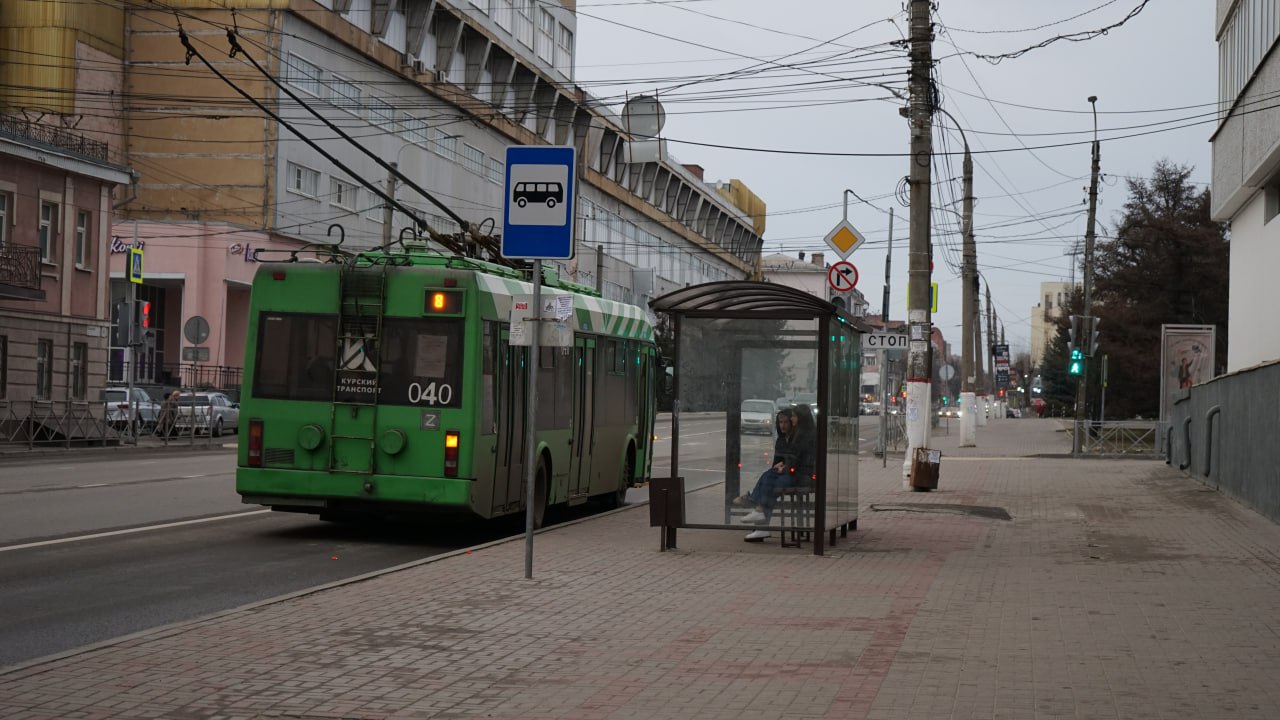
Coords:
844,239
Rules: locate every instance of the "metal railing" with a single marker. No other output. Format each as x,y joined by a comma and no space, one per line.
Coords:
55,423
52,136
1137,438
157,377
20,266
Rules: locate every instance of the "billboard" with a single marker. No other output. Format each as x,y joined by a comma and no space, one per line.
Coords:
1186,359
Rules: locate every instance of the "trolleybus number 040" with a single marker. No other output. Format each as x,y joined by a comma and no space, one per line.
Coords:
431,394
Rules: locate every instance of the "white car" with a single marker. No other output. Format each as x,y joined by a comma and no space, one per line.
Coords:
757,416
210,412
119,410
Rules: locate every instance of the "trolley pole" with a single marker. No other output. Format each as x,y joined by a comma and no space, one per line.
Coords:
919,323
530,418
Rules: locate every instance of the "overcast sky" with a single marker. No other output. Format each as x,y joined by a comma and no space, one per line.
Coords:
1157,71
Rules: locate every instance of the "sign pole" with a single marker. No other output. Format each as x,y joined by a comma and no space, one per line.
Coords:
132,354
530,416
884,355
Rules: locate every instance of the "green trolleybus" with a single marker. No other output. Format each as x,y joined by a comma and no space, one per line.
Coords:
388,382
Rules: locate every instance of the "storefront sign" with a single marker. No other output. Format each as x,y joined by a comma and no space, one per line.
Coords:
120,247
246,250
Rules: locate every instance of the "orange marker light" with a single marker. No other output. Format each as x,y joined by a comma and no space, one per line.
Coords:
437,301
451,440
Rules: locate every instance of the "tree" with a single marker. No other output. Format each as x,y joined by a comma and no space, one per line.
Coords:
1167,264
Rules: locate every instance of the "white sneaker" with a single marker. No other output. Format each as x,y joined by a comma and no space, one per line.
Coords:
756,536
754,516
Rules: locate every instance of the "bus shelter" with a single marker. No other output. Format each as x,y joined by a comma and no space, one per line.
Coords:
742,354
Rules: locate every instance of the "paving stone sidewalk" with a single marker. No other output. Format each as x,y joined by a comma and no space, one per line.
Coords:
1118,589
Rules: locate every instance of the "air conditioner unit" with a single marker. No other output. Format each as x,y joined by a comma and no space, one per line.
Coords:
418,66
442,76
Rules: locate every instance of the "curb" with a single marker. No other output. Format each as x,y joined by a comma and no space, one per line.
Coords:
182,625
14,456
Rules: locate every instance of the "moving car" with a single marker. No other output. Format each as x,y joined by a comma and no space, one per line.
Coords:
757,416
950,411
210,412
119,410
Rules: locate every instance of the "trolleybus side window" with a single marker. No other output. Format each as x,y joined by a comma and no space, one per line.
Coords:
295,356
422,362
488,388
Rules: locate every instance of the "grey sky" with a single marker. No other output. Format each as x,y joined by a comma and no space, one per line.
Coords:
1031,203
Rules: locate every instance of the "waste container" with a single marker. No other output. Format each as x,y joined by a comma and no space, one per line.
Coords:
924,469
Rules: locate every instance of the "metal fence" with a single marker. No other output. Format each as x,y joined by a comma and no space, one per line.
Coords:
1130,438
1224,432
55,423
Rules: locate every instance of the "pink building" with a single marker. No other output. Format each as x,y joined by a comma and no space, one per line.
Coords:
191,271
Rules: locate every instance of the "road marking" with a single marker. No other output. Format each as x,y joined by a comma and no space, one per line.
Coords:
130,531
93,485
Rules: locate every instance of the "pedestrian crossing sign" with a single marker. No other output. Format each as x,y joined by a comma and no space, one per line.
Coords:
135,265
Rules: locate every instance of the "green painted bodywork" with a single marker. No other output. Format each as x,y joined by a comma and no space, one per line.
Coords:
404,463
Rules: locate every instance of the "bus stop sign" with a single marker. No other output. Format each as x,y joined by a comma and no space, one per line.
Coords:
537,216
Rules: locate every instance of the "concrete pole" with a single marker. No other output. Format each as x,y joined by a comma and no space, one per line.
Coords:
884,354
919,323
1082,382
969,278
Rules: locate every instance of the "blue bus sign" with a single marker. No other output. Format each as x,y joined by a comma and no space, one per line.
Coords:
537,215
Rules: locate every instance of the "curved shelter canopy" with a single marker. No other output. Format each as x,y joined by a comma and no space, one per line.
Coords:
746,354
735,298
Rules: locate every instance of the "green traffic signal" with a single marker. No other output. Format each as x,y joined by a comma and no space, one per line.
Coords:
1077,362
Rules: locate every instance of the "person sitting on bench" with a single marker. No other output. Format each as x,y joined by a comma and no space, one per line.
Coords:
793,463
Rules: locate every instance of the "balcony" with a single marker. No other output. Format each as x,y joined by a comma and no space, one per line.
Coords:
20,272
54,137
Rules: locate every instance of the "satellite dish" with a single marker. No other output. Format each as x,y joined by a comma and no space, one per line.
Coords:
643,116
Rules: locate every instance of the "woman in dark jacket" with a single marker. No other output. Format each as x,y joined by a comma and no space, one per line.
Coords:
790,460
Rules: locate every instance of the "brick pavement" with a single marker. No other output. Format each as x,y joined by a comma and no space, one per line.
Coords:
1119,589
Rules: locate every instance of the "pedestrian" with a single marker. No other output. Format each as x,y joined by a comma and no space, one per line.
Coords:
793,465
168,414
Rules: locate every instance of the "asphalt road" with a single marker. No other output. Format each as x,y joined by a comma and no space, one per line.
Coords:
95,547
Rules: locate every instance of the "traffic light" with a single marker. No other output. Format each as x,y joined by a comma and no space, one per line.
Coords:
1094,322
944,400
1074,336
1076,367
124,324
144,315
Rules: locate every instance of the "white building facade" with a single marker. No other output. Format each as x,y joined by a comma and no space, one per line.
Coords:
1246,174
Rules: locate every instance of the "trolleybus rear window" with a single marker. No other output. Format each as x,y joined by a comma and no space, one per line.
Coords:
295,356
421,362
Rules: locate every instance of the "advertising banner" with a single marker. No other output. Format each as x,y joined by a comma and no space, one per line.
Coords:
1186,359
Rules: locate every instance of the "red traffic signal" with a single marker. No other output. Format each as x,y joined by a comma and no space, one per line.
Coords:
144,315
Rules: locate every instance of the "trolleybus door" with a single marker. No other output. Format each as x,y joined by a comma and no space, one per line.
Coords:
584,399
508,479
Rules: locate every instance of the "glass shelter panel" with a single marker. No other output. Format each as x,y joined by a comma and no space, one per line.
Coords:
844,369
748,398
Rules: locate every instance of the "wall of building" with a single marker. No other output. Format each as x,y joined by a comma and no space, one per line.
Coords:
1255,255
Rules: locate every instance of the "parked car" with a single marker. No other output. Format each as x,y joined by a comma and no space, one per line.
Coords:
210,412
757,416
871,408
1012,413
143,411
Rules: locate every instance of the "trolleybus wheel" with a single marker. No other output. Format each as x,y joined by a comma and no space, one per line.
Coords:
618,498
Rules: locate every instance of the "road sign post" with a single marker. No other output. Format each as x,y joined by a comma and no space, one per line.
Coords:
537,225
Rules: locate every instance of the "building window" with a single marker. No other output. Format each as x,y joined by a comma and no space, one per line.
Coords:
564,52
44,369
48,230
343,194
345,95
546,35
381,113
414,130
6,217
302,180
493,170
1244,41
82,239
445,146
302,75
373,211
502,12
524,22
4,365
473,159
79,371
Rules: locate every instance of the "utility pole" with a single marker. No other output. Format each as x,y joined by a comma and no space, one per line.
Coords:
386,209
1082,382
980,349
991,340
884,354
919,322
968,281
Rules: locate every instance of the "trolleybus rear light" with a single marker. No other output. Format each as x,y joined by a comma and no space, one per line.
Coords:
451,453
255,443
277,275
451,282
